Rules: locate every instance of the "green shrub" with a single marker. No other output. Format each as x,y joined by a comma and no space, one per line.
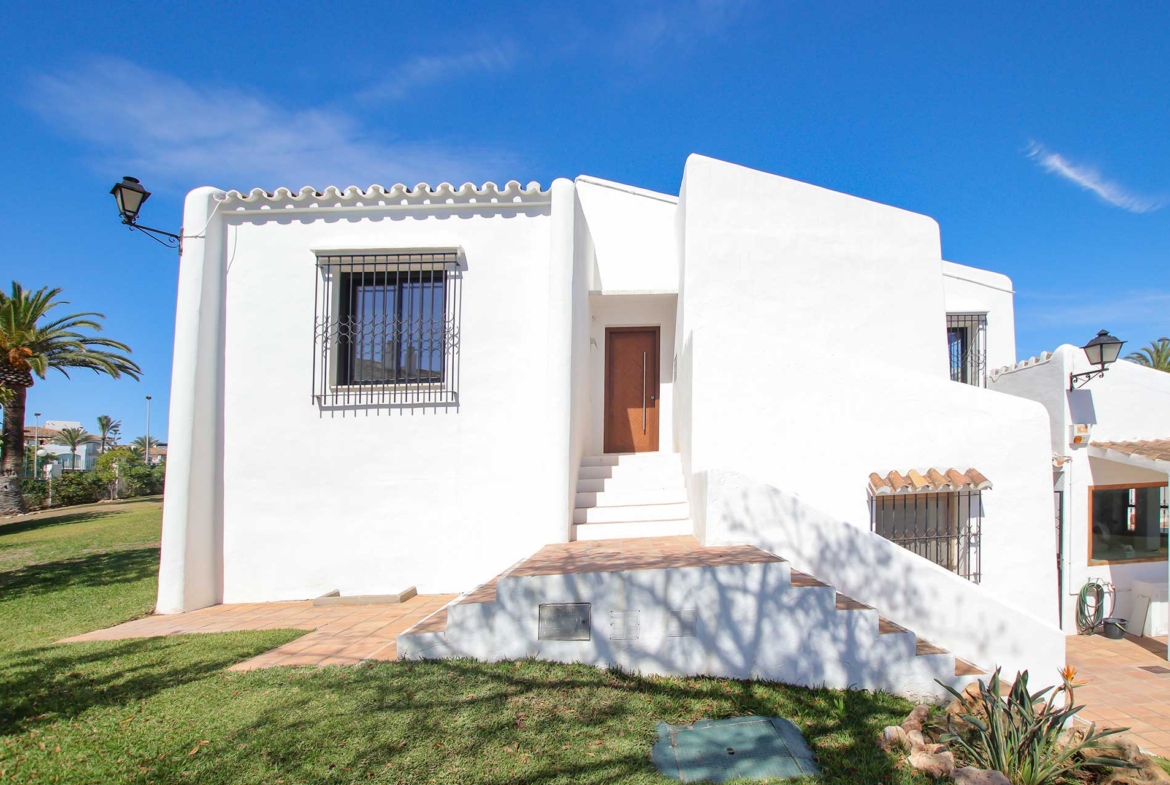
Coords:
1025,737
145,480
35,492
81,487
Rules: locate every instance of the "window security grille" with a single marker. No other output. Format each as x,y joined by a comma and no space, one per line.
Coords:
967,342
386,330
942,527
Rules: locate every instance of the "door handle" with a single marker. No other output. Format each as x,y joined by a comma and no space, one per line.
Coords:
643,392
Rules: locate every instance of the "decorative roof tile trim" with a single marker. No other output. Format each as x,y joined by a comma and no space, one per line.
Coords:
1022,364
933,481
421,195
1154,449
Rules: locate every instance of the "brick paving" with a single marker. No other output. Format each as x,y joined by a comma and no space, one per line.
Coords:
1119,693
341,635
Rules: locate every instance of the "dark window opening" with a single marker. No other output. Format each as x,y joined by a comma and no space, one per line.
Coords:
942,527
387,329
967,346
1129,523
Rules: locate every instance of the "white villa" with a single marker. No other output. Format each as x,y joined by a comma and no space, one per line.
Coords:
746,429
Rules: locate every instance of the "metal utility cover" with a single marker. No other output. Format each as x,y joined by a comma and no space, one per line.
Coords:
567,621
742,747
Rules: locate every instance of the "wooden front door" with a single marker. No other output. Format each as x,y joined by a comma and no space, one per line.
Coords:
631,389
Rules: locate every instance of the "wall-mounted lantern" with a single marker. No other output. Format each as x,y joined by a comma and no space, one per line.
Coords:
1102,351
130,196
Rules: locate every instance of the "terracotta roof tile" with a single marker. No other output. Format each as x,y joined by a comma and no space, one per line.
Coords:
931,481
1154,449
938,480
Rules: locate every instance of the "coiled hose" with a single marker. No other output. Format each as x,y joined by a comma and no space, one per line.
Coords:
1091,612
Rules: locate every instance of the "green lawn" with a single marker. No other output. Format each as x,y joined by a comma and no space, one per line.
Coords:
166,710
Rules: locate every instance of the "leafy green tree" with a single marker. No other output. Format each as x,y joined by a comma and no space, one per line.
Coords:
109,430
114,468
1156,355
33,340
73,438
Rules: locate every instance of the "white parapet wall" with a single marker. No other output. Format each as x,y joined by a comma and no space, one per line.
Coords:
938,605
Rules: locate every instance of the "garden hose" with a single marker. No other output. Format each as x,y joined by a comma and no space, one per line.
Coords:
1091,606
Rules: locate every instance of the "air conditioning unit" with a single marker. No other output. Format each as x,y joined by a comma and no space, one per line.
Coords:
1079,434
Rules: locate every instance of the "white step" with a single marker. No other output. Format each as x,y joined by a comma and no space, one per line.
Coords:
632,497
671,475
644,512
629,484
620,531
633,459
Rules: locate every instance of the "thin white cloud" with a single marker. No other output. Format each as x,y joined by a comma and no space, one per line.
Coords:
1091,180
677,24
430,69
143,122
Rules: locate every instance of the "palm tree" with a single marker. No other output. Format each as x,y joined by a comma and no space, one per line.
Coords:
139,445
31,342
109,430
1156,355
73,438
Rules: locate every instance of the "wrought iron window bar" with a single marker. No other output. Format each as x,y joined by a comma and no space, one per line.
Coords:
945,528
967,345
386,329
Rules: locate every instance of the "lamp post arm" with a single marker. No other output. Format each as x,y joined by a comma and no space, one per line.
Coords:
172,240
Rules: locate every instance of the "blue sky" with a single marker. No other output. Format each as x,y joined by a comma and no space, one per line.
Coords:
1038,135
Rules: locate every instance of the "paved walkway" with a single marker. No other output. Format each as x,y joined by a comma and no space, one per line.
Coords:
1120,691
341,635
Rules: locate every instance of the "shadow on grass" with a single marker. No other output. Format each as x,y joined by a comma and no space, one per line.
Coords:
42,522
533,723
99,569
42,685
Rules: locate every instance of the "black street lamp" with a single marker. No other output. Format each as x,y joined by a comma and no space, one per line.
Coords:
1102,351
130,196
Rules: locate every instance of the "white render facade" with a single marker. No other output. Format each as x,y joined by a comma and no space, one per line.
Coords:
805,341
1110,444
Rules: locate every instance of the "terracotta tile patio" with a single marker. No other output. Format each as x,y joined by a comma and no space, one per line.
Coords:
646,553
1119,693
341,635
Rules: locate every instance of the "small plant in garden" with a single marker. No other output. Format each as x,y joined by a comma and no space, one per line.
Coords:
1024,735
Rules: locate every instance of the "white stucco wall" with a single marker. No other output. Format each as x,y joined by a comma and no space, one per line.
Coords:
382,497
633,235
812,325
970,290
1129,403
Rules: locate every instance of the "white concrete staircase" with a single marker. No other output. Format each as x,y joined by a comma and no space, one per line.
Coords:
671,606
630,495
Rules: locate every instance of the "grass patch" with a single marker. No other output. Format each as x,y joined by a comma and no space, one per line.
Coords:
167,711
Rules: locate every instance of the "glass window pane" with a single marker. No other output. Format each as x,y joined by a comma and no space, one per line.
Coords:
420,352
1127,524
370,329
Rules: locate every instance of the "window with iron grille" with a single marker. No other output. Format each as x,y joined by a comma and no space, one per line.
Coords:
387,329
942,527
967,343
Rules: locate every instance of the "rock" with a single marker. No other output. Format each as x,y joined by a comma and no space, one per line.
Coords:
936,765
972,776
917,718
893,739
